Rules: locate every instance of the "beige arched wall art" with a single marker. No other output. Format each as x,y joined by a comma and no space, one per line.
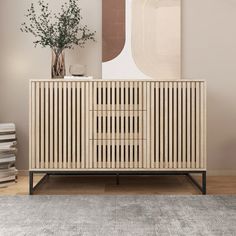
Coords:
152,40
156,43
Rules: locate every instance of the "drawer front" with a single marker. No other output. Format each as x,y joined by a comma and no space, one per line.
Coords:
117,154
123,96
118,125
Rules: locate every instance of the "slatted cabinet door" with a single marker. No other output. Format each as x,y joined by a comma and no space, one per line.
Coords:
178,125
60,125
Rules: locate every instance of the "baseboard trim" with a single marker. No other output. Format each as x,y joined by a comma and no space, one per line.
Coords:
209,173
221,172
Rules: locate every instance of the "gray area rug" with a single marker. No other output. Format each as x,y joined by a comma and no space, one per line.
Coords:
118,215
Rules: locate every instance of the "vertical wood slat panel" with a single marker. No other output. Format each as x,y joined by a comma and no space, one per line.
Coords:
152,128
122,154
108,154
64,158
141,114
108,84
113,112
126,110
86,127
99,124
117,125
131,114
51,164
135,95
83,122
95,126
122,135
91,128
31,111
109,107
166,125
188,137
179,125
144,126
78,138
161,125
205,124
113,154
74,124
99,131
202,126
122,95
122,115
113,136
148,126
55,126
60,130
175,133
37,146
135,125
117,153
131,88
157,120
104,115
197,125
193,125
46,125
99,96
184,127
126,114
99,154
170,135
42,153
135,152
69,136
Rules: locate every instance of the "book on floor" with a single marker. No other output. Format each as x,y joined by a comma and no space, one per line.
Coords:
8,178
7,127
7,144
7,137
8,172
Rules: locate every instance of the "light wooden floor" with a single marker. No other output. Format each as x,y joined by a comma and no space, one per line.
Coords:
61,185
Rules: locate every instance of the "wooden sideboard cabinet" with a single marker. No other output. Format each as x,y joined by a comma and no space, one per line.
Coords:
118,127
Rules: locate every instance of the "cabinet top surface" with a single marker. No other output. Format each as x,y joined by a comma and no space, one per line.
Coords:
115,80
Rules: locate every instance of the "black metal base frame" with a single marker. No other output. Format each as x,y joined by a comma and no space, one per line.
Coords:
188,174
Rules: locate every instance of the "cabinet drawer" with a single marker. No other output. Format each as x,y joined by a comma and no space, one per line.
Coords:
119,96
118,125
117,154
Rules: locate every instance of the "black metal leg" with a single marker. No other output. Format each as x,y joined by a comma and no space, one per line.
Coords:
31,180
201,188
204,191
117,179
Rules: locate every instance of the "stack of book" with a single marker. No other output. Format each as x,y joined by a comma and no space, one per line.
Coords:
8,172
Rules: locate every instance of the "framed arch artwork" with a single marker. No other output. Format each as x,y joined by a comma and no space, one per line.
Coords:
141,39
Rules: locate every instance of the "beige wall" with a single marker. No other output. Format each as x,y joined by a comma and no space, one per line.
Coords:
209,52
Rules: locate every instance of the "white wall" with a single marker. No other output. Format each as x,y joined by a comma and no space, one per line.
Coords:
208,49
